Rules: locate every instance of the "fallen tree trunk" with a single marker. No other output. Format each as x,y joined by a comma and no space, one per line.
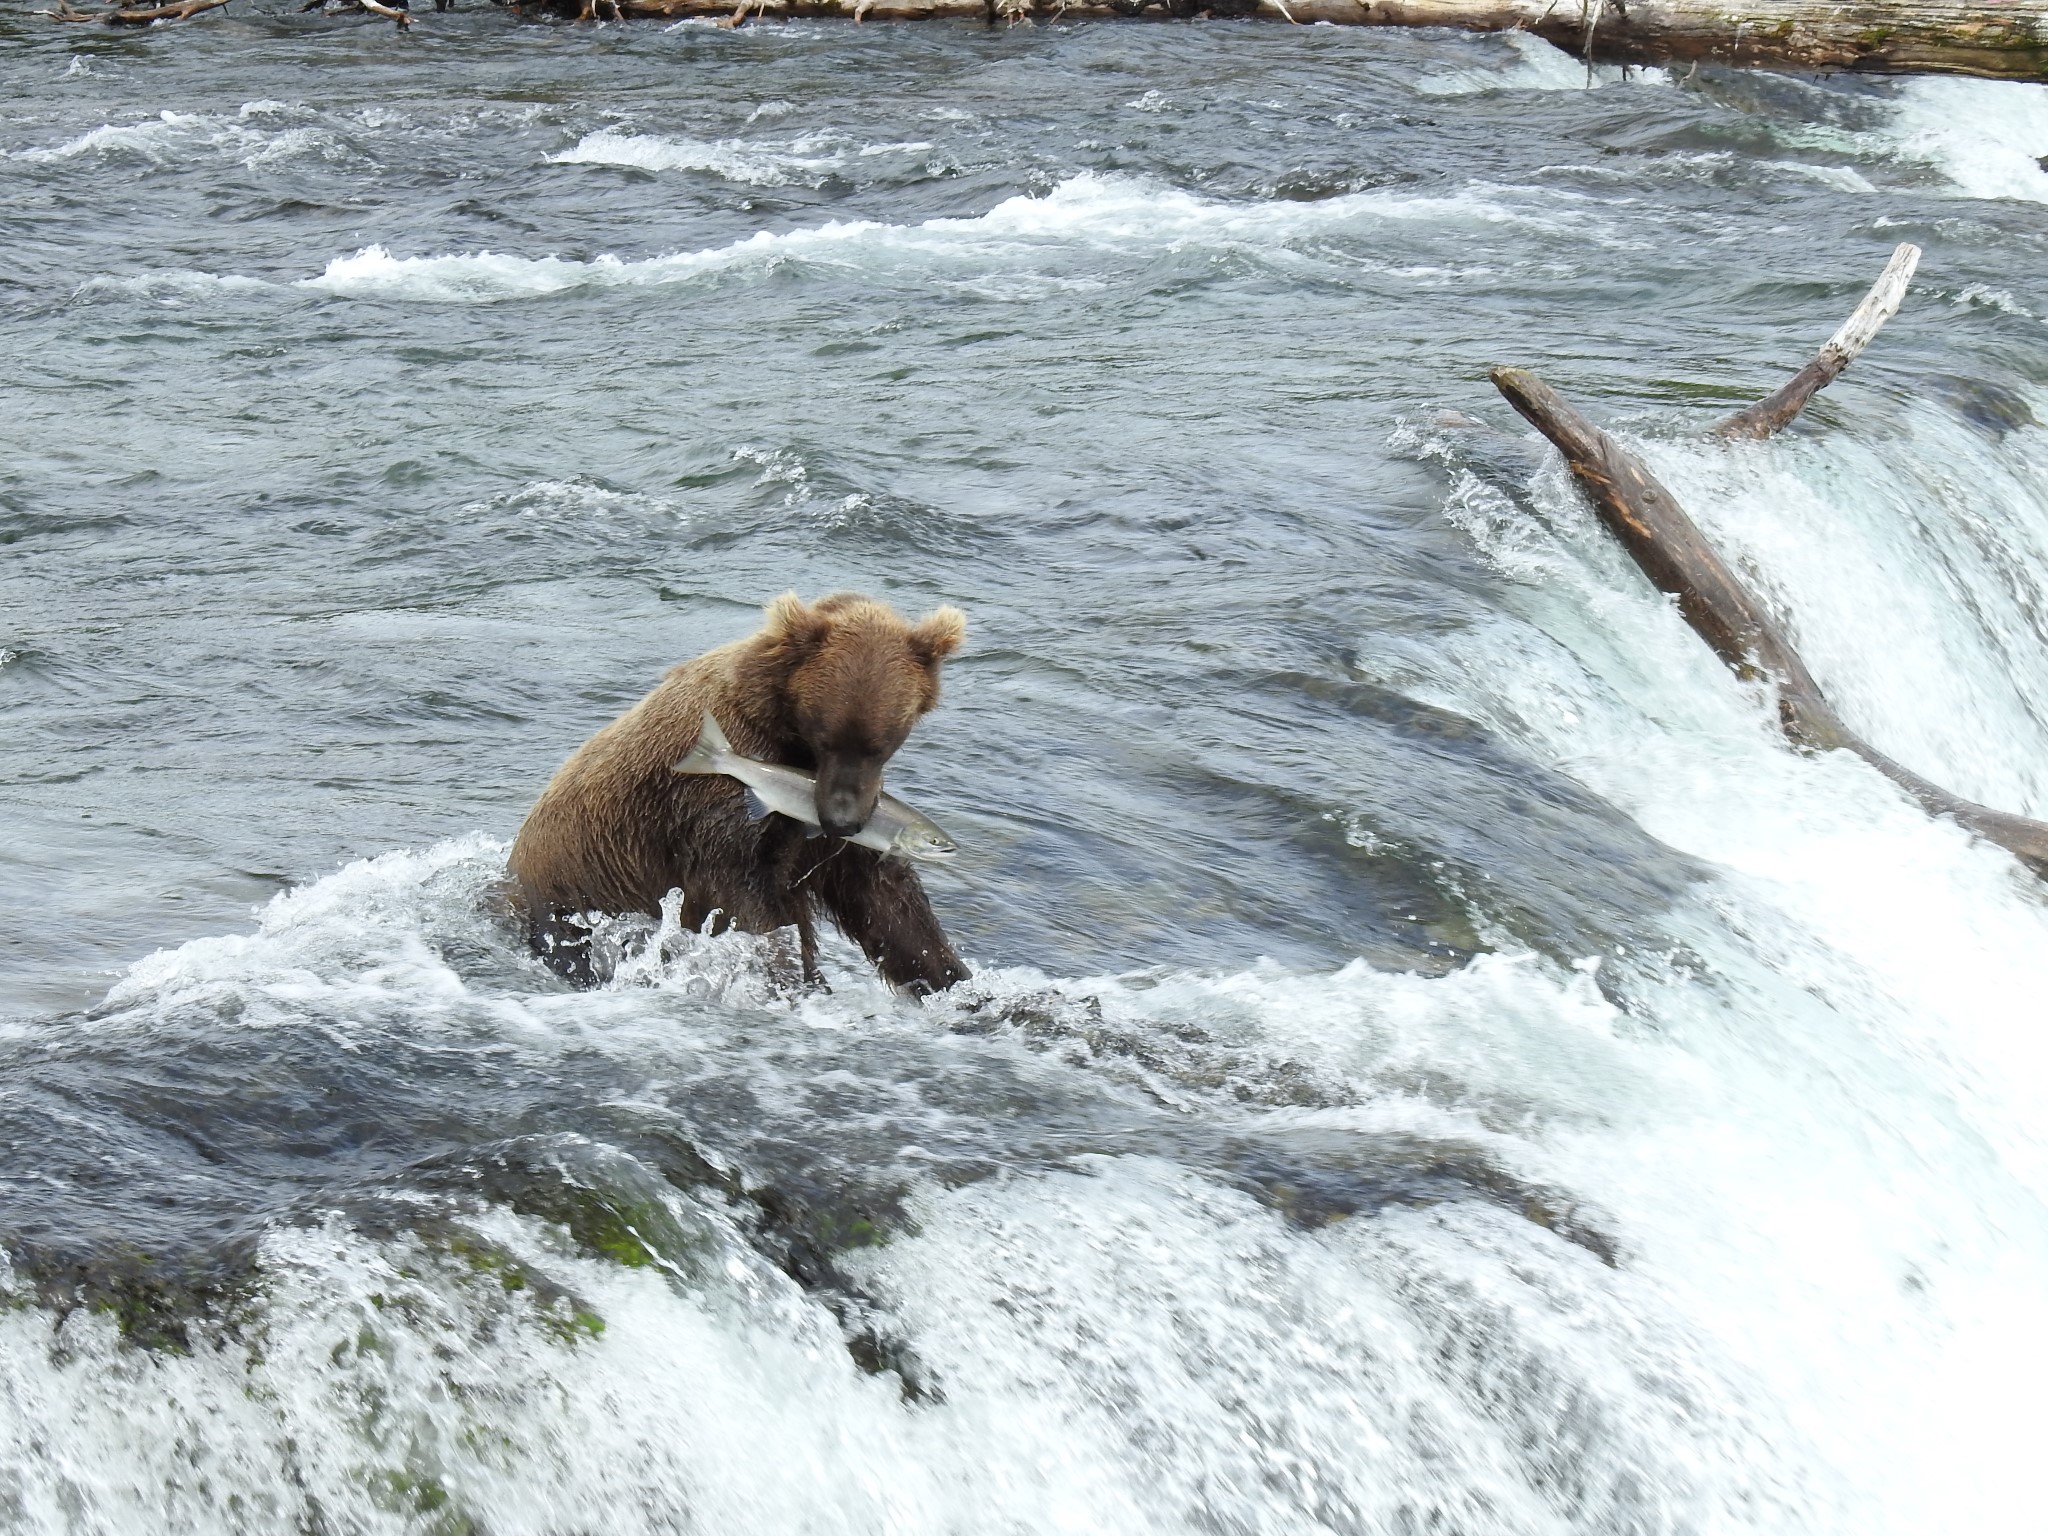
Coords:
1655,530
1992,39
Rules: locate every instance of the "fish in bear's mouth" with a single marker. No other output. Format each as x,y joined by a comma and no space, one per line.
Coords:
894,828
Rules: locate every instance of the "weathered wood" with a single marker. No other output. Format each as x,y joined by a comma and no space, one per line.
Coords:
393,13
1771,414
1658,535
1995,39
1989,39
1661,538
135,16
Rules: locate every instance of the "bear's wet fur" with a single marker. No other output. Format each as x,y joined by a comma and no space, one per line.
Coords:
832,688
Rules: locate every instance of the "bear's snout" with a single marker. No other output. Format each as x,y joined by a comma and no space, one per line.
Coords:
847,791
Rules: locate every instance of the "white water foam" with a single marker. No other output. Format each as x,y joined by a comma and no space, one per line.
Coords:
732,159
1870,979
1128,1346
809,160
1713,165
396,1387
1112,214
1941,531
172,286
1522,61
1982,296
579,503
261,133
1842,178
1986,136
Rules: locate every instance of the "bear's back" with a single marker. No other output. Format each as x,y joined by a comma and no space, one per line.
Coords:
615,827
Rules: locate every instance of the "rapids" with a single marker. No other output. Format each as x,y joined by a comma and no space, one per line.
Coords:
1438,1062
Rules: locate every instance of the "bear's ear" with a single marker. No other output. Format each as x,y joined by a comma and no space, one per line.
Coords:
938,635
793,627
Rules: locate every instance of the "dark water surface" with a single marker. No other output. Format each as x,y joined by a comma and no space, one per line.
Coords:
1439,1063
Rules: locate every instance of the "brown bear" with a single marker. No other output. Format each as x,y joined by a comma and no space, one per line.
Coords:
832,688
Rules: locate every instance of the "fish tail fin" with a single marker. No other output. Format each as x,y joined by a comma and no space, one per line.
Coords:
710,752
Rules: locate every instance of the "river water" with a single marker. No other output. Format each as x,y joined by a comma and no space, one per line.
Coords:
1438,1061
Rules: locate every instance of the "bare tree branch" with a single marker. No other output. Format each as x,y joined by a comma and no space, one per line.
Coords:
1770,415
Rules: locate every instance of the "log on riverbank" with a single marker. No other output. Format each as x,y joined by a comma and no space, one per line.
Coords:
1665,543
135,15
1989,39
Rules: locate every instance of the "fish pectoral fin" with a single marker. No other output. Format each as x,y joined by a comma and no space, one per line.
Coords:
757,808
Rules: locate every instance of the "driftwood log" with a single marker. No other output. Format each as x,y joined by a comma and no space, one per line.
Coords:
1650,524
135,16
1991,39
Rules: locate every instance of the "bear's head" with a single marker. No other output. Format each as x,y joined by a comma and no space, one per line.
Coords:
852,678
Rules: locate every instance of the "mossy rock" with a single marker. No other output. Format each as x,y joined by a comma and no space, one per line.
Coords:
155,1301
409,1492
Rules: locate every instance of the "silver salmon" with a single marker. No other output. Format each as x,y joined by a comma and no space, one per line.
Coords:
894,828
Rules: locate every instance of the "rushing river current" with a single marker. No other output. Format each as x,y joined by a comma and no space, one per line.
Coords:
1438,1061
